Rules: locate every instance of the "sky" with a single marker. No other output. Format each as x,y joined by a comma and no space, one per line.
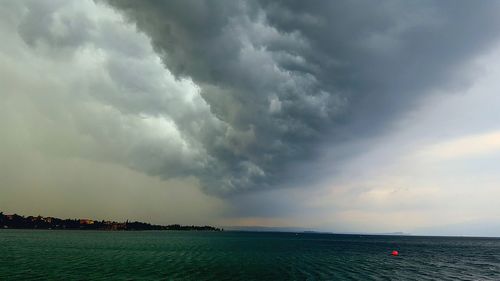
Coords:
342,116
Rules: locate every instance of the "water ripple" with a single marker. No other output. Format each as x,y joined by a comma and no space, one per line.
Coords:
87,255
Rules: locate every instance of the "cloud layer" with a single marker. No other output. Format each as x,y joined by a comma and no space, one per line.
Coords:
282,77
232,93
86,107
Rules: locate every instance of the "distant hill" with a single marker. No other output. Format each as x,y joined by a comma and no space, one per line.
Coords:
39,222
266,229
303,230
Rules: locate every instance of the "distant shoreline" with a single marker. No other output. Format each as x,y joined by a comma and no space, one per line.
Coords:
16,221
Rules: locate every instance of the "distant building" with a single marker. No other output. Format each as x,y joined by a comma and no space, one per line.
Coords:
86,221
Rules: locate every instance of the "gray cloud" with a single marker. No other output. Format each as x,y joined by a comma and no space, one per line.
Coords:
286,75
237,59
79,126
244,90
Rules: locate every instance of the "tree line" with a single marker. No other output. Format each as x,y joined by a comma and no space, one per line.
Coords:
39,222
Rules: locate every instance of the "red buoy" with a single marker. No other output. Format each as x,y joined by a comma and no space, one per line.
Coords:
395,253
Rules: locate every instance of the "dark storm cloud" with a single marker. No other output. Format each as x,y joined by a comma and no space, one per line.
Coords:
283,76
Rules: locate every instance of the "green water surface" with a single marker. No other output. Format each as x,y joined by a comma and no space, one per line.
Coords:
169,255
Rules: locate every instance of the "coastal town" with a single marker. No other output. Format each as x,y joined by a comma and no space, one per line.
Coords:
39,222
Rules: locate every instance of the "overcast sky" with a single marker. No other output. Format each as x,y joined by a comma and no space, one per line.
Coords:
344,116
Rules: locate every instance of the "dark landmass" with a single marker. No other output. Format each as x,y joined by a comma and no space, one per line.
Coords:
39,222
266,229
306,230
361,233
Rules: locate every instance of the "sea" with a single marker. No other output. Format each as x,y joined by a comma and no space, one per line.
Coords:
172,255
